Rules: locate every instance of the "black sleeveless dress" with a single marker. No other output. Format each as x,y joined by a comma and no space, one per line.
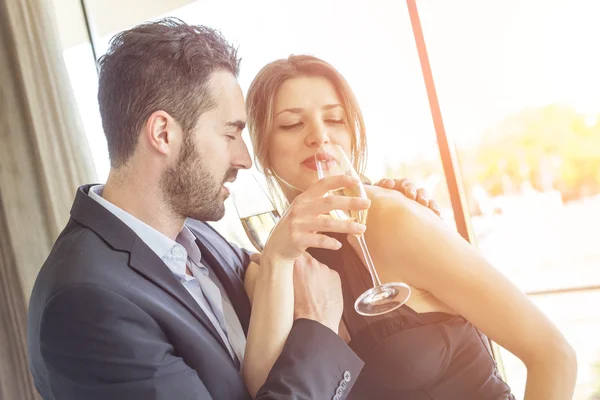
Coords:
410,355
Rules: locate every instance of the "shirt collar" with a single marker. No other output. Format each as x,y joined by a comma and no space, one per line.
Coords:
173,253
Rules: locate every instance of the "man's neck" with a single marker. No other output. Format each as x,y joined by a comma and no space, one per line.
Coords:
142,200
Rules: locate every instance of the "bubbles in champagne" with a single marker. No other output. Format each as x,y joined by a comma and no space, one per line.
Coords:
258,227
353,215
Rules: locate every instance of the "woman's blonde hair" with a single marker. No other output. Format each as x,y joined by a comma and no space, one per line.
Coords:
260,107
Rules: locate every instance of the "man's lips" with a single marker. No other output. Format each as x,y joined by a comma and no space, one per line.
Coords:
227,183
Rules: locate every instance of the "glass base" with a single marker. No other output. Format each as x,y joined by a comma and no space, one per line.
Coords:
382,299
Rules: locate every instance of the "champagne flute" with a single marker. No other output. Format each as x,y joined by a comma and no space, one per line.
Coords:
381,298
255,209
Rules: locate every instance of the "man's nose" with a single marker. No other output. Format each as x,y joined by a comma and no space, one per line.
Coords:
242,159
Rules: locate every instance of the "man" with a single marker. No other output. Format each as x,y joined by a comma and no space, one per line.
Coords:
132,303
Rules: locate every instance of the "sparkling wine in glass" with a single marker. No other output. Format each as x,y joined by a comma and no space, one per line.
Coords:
381,298
255,209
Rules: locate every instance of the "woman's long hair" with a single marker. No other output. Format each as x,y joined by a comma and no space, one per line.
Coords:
259,108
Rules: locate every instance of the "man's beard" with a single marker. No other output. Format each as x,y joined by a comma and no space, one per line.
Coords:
190,190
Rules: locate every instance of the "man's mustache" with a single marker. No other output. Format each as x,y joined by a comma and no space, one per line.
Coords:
231,175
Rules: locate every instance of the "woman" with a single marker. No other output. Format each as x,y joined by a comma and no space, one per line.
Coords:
432,347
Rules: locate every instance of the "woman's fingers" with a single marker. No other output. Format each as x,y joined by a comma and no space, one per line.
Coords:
327,184
326,223
327,204
316,240
299,227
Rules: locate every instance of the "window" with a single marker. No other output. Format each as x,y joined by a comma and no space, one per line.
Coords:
518,88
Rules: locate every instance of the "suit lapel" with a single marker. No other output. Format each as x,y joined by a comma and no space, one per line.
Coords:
143,260
149,265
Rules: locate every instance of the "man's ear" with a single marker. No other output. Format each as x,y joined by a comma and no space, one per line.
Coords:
160,131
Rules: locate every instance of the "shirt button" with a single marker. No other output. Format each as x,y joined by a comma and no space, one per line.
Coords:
347,376
177,251
343,384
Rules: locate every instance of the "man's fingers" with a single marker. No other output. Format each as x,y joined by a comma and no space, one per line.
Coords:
423,197
409,189
434,207
386,183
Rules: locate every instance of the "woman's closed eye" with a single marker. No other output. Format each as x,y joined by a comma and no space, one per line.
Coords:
292,126
289,127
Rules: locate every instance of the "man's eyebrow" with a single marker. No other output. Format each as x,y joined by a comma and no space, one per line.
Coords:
239,124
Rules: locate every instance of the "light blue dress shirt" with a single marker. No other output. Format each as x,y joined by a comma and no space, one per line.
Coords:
203,286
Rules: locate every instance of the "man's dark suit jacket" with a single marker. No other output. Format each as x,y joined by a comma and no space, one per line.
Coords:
108,320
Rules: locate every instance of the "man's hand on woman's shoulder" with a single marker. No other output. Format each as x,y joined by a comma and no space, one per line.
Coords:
410,190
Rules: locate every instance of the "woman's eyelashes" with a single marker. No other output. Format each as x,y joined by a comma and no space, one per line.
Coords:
289,127
292,126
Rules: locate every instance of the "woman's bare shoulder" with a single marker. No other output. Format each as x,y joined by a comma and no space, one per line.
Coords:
390,208
386,201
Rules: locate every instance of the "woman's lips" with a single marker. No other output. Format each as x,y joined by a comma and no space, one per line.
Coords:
311,163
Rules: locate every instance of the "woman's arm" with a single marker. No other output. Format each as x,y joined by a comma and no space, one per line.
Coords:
271,290
250,278
404,186
272,285
435,258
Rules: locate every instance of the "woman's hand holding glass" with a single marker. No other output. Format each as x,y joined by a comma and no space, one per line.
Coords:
308,216
331,160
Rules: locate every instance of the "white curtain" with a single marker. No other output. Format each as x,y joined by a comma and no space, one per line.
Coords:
44,156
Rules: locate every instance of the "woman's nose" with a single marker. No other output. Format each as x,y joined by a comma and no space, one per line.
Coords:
317,137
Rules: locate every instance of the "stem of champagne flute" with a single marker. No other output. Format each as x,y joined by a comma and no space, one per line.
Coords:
370,266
